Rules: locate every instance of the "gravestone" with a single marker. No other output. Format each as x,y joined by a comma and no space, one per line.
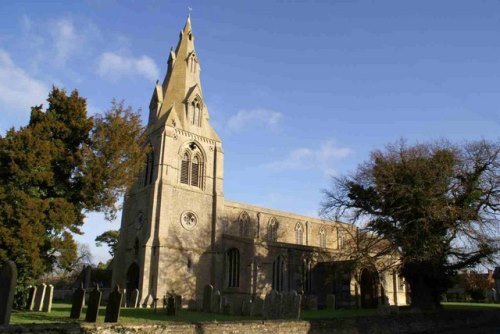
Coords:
178,302
272,305
134,298
246,306
311,302
171,305
77,301
207,298
47,301
40,296
93,305
216,302
295,306
114,304
8,277
226,306
30,305
330,302
124,300
256,307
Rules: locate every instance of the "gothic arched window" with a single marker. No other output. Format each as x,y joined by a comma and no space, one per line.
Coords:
195,171
340,238
192,166
322,238
185,169
233,268
244,221
278,273
148,170
272,230
299,234
306,275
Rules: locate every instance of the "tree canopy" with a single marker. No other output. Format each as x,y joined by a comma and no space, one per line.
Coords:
62,164
436,204
109,238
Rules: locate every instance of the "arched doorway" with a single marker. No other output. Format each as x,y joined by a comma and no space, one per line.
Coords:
368,284
133,274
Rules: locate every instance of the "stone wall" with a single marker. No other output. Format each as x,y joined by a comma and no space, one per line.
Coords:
409,323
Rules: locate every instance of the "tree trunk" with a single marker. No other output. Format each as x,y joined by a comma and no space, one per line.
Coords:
427,283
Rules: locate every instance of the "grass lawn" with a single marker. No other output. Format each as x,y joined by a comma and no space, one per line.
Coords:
60,314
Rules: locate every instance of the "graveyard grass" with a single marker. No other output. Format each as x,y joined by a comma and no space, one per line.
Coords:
60,314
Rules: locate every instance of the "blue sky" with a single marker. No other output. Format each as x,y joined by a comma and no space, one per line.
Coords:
297,90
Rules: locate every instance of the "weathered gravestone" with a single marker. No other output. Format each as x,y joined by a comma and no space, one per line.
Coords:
293,305
134,298
330,302
272,305
178,302
8,277
207,298
77,301
256,307
113,307
216,302
124,300
30,305
93,305
246,306
47,301
40,296
226,306
311,302
171,305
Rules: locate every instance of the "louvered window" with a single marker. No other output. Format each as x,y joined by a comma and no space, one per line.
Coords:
195,172
185,169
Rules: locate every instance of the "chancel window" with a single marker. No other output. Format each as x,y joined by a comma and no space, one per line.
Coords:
233,268
278,273
192,167
322,238
299,234
244,221
272,230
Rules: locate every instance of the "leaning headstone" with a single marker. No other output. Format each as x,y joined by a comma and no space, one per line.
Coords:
246,306
134,298
30,305
113,307
256,307
124,300
312,302
330,302
8,277
216,302
170,305
40,296
47,301
77,301
207,298
93,305
178,302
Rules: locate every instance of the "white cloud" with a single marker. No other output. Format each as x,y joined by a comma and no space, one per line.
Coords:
115,66
254,117
18,90
66,40
322,157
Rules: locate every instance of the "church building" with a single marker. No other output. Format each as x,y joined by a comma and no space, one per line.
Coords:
179,233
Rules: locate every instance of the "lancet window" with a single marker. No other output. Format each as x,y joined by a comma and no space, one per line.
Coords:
194,114
272,230
148,171
299,234
322,238
278,273
233,268
244,222
192,167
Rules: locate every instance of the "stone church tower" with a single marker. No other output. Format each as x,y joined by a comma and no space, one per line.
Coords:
169,218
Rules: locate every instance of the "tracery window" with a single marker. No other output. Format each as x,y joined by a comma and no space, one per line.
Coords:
272,230
322,238
278,273
243,222
192,167
233,268
299,234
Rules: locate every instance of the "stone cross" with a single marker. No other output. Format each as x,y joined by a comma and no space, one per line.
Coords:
207,298
8,277
134,298
216,302
330,302
93,306
40,296
47,301
77,301
113,307
31,298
